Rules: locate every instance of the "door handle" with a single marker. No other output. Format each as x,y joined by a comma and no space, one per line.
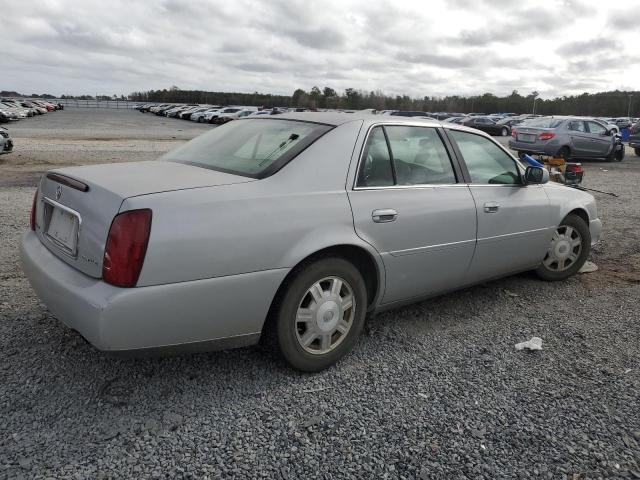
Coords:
491,207
384,215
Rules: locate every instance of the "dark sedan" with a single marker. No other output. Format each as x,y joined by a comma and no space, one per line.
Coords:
488,125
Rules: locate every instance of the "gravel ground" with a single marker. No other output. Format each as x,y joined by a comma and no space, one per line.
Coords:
434,390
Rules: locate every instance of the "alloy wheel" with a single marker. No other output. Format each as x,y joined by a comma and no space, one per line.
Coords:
565,249
325,315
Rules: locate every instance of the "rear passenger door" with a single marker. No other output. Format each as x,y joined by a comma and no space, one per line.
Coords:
407,203
514,220
580,138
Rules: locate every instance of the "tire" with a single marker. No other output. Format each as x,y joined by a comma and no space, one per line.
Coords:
309,319
619,155
504,132
637,151
561,248
200,119
564,152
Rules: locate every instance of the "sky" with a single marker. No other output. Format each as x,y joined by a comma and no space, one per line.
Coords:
419,48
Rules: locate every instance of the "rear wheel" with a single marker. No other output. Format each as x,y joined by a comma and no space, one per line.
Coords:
504,132
321,314
200,119
568,250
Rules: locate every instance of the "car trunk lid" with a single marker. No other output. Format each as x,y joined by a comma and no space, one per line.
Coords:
529,134
76,205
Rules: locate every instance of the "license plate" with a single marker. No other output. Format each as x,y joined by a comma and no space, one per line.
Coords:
63,229
524,137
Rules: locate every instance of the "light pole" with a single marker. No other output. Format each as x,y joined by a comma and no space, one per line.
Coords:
535,99
629,107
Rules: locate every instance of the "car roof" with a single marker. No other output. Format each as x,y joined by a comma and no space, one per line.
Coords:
339,118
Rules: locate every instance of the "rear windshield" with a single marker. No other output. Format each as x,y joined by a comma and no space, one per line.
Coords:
542,122
253,148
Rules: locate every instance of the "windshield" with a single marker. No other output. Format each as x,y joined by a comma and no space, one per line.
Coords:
542,122
251,147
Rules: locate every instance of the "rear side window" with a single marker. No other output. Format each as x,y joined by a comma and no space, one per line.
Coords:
577,126
249,147
399,155
596,128
375,168
487,163
419,156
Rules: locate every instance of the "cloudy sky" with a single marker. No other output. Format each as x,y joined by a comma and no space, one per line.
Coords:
439,47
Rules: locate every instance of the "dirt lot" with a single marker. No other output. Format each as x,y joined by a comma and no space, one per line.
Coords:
433,390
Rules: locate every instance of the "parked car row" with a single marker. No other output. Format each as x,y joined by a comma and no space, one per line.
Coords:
12,109
215,114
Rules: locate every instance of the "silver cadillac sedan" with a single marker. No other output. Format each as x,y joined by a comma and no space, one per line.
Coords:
293,227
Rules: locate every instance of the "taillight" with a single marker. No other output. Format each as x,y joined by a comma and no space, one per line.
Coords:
574,167
546,136
32,218
514,133
126,248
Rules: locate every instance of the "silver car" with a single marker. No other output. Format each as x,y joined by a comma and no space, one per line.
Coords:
568,137
293,227
6,144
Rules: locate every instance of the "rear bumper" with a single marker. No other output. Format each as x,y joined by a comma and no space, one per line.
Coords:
219,312
536,148
595,228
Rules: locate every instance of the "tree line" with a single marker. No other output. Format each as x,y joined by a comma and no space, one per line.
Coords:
614,103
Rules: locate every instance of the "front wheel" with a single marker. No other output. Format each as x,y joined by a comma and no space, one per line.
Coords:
321,314
504,132
568,250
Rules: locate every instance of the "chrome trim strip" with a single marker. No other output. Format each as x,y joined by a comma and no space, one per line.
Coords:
63,248
498,238
431,248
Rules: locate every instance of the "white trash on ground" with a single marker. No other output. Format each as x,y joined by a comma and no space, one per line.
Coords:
534,344
588,267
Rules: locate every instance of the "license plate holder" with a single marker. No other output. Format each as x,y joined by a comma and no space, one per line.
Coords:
62,228
526,137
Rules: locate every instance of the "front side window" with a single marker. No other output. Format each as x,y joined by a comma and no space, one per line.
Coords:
487,163
250,147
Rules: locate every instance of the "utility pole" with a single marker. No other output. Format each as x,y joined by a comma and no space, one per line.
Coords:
535,98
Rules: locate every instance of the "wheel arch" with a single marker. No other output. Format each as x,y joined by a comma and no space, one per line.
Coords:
580,212
366,260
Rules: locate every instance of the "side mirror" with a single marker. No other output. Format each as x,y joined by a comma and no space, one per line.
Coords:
608,133
536,175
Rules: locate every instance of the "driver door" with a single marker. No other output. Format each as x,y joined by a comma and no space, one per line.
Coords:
514,220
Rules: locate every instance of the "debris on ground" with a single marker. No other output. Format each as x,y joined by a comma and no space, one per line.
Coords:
534,344
588,267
